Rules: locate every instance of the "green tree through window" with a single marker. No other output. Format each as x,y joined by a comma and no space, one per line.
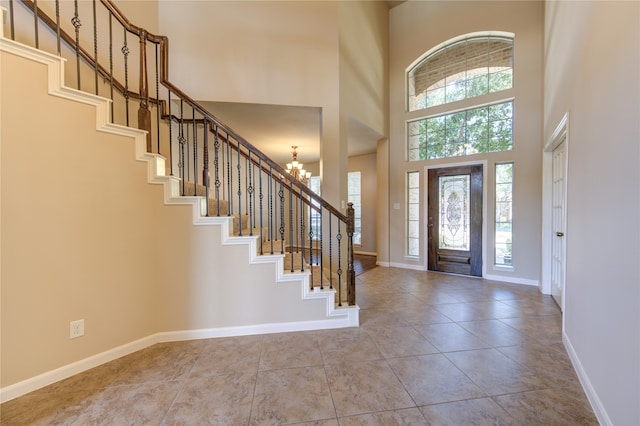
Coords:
474,131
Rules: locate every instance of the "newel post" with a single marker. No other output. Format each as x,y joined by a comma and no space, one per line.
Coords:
144,114
351,272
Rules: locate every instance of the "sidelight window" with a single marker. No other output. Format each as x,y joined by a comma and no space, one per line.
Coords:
504,212
413,214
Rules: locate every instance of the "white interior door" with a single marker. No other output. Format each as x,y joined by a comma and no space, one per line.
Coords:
558,246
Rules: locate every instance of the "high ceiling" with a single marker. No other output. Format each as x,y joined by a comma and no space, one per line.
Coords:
275,128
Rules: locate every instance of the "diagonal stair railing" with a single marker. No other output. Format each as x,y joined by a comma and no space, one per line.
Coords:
211,159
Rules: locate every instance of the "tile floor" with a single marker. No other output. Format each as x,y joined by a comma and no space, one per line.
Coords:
431,349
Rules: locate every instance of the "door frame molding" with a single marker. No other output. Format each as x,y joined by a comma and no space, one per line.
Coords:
425,213
561,133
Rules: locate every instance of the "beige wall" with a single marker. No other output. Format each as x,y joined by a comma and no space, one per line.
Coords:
76,227
364,57
141,13
592,73
410,39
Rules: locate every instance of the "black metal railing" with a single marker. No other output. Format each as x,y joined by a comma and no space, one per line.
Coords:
211,160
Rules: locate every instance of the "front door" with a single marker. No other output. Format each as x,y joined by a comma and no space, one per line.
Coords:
558,246
454,220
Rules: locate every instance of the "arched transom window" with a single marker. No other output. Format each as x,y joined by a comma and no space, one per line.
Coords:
476,70
463,69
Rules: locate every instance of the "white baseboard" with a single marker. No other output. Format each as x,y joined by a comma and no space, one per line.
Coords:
383,264
45,379
592,396
349,319
250,330
512,280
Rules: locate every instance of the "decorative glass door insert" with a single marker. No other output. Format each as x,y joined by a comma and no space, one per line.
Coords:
454,212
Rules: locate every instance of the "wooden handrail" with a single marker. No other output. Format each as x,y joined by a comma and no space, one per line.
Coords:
163,43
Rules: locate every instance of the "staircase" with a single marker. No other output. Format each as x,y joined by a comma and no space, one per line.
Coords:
202,157
241,204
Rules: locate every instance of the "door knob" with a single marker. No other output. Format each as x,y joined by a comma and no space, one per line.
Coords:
559,234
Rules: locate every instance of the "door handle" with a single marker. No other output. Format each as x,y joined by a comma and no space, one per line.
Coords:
559,234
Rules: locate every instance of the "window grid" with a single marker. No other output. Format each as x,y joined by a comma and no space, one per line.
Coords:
473,131
472,67
503,254
413,213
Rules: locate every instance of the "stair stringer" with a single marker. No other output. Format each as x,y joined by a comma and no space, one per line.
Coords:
349,314
336,317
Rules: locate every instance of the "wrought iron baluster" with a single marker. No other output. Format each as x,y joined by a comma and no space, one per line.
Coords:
339,239
295,225
246,179
187,158
125,52
205,171
301,213
253,190
170,133
57,25
216,145
250,191
261,199
281,195
76,25
239,191
195,152
229,178
330,254
110,62
158,99
95,45
291,225
311,239
321,254
270,222
181,141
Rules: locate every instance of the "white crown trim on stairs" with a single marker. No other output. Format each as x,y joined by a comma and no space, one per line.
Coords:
336,317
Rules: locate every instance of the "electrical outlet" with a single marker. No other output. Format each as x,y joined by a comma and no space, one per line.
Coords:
76,329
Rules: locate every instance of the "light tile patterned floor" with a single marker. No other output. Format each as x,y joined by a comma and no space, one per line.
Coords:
432,349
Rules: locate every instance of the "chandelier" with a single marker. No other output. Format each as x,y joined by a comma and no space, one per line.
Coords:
294,168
